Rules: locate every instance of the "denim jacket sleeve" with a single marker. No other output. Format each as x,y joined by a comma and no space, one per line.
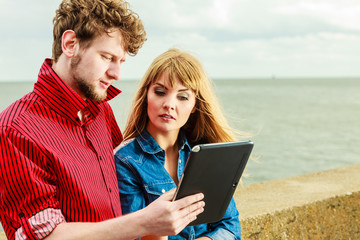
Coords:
131,195
228,227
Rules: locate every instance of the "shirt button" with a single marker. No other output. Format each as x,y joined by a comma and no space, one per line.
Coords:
109,189
163,191
21,214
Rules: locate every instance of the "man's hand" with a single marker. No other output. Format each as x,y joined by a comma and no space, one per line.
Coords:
161,218
165,217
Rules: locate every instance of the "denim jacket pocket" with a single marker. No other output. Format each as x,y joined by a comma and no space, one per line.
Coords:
155,189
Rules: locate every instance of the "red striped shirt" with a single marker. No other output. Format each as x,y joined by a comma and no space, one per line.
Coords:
49,159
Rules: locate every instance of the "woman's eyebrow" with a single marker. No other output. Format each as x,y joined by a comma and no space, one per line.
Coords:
184,90
161,85
180,90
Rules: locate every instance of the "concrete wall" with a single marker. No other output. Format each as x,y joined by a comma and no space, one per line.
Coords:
321,205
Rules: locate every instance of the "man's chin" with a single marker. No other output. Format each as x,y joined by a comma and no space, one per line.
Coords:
97,97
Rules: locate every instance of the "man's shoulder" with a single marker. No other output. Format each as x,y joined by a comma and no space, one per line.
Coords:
18,108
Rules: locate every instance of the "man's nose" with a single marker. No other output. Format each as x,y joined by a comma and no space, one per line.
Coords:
114,71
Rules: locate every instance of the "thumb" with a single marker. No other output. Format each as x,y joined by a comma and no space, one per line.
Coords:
169,195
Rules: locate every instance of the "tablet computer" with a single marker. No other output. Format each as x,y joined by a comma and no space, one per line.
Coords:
214,169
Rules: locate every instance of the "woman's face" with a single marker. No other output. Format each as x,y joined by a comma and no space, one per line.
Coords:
168,107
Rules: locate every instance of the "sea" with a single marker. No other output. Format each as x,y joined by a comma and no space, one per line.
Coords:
298,125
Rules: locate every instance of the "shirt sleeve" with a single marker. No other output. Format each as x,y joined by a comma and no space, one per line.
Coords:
25,184
228,227
42,223
132,196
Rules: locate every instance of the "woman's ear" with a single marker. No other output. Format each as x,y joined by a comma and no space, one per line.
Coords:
69,43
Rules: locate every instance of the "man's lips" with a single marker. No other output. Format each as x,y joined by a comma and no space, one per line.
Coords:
105,84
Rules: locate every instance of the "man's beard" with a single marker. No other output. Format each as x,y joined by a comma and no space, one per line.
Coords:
87,89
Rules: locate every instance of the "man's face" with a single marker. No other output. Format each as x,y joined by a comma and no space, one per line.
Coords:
95,68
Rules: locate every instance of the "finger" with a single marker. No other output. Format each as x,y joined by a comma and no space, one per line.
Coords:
189,200
189,214
168,195
190,217
193,209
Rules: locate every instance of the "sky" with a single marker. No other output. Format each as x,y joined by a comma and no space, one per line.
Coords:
232,38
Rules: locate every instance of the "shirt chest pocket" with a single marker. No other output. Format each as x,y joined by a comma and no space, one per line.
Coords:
155,189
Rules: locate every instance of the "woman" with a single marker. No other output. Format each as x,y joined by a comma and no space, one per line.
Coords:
174,109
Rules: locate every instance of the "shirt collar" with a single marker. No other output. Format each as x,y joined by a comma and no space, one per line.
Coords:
183,142
61,97
149,145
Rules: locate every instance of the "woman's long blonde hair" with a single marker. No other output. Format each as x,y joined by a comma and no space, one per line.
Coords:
207,124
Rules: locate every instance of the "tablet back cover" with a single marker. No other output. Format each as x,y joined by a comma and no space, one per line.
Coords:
215,170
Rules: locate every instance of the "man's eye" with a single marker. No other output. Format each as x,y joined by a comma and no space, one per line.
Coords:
107,58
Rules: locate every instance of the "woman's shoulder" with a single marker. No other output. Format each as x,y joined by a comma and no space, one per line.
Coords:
123,144
126,148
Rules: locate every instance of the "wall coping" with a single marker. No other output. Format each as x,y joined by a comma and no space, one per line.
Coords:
275,195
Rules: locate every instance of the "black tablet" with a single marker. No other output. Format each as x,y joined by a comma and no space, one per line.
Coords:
215,170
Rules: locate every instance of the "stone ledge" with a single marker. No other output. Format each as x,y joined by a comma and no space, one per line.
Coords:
321,205
334,218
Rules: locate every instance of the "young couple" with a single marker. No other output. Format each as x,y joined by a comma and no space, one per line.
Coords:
58,177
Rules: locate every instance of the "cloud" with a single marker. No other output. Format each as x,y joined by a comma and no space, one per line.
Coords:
345,14
257,37
232,38
26,28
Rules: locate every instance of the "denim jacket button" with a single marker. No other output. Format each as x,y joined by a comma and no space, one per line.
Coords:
163,191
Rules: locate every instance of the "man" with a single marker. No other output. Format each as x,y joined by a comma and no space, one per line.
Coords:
57,174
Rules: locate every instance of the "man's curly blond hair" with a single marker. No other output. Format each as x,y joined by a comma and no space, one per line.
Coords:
91,18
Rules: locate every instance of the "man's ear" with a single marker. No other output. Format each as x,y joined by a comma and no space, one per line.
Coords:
69,43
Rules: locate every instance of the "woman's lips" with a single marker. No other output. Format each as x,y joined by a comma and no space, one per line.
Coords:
167,117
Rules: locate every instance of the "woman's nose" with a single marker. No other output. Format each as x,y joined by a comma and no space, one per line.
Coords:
169,103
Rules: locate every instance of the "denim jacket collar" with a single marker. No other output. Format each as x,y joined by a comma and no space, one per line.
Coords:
149,145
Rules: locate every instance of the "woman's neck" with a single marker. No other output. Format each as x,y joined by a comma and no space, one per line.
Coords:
168,142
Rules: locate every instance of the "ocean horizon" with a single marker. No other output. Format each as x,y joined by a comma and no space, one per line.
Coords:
299,125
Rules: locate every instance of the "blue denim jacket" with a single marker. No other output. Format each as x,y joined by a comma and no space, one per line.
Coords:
142,178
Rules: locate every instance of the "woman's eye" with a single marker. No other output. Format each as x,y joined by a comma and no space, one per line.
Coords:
159,92
183,97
